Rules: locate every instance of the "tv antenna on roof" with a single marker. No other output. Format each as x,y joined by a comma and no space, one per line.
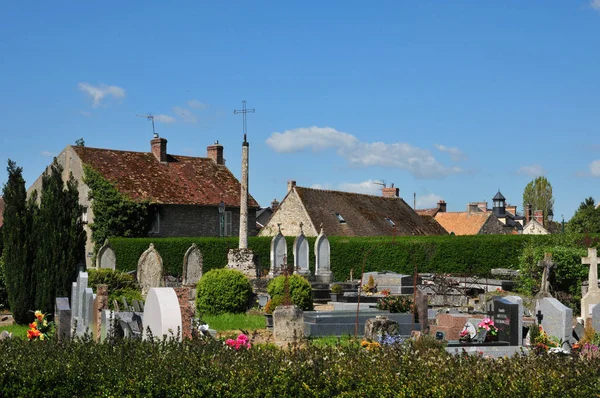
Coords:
151,118
382,183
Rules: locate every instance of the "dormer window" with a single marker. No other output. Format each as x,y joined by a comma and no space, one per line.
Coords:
84,215
389,220
340,218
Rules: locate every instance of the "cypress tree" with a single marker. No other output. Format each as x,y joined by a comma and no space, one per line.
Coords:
18,249
60,238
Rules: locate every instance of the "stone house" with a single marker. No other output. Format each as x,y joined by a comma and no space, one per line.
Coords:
347,214
184,192
479,220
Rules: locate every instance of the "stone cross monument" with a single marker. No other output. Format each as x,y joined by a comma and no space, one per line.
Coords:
547,264
242,259
592,297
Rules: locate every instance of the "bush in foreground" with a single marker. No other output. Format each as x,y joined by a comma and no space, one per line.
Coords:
223,290
300,290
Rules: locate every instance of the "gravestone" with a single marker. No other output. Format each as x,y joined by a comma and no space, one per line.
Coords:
506,317
192,266
392,281
301,253
106,257
595,315
557,319
547,264
519,302
592,297
322,259
81,296
150,270
162,313
578,331
379,327
288,324
278,254
62,316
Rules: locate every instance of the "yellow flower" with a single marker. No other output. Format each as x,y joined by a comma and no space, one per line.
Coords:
39,315
41,336
45,323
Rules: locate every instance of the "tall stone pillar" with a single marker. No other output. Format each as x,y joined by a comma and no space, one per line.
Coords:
244,198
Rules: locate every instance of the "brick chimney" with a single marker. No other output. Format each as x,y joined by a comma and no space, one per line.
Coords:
215,152
538,215
390,192
274,204
442,206
159,149
512,209
527,213
291,185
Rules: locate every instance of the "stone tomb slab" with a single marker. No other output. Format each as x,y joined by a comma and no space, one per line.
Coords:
340,323
506,317
392,281
62,318
162,313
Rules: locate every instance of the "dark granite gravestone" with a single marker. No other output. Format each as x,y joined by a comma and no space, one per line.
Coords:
62,319
506,318
480,336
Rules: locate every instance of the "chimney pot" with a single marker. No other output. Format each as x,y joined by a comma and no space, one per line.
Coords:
442,206
215,152
274,204
159,149
390,192
290,185
538,215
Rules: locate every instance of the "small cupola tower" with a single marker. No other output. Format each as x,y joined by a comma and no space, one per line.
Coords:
499,205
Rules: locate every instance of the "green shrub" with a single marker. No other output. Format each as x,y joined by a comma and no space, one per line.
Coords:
336,289
3,293
223,291
299,287
272,304
119,284
395,304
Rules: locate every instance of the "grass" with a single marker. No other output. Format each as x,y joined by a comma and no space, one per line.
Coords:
331,341
16,330
227,322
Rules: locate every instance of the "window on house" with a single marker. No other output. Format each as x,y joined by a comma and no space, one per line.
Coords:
389,220
84,215
228,223
155,229
340,218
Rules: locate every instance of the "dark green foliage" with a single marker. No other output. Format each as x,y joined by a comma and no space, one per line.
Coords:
222,291
59,237
395,304
586,219
299,288
18,245
3,293
130,368
119,284
538,194
114,214
1,242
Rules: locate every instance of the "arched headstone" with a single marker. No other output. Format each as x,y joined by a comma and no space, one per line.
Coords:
150,270
301,255
278,253
192,266
162,313
106,257
322,259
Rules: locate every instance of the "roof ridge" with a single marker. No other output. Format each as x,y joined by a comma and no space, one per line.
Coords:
145,153
347,192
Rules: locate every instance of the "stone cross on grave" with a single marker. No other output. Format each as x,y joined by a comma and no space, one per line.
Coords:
539,317
547,264
592,297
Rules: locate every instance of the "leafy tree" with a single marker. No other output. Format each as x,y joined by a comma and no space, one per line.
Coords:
79,142
59,237
538,193
114,213
3,294
586,219
18,246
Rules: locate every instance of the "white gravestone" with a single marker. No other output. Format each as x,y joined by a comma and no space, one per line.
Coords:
150,270
192,266
592,297
106,257
301,253
162,313
322,259
278,254
557,319
595,315
79,316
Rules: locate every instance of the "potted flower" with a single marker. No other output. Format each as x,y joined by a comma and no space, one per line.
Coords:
488,325
336,291
269,308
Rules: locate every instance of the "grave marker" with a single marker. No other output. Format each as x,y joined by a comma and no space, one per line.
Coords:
556,320
162,313
106,257
301,255
150,270
322,259
592,296
278,253
192,266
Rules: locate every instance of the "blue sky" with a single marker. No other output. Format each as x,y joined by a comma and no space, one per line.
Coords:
446,99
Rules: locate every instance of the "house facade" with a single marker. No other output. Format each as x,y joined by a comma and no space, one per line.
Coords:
189,196
347,214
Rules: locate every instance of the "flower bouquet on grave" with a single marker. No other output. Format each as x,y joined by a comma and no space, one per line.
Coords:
490,327
40,328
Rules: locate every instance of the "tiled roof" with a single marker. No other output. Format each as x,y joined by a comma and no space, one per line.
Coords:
428,212
183,180
1,211
462,223
364,215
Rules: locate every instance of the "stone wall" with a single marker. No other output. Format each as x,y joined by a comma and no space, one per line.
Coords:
290,214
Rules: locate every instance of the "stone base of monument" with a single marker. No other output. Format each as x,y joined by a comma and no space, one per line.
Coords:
324,277
380,327
591,298
243,260
288,324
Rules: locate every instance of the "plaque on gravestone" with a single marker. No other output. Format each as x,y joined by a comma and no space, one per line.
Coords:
505,315
480,336
439,335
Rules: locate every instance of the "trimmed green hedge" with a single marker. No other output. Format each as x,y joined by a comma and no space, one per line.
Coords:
442,254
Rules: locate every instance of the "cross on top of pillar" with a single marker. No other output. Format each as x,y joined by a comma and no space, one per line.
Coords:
244,111
592,260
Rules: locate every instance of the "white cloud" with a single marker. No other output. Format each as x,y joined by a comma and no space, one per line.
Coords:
100,92
164,118
595,168
428,201
595,4
48,154
84,113
195,104
535,170
456,154
185,114
417,161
